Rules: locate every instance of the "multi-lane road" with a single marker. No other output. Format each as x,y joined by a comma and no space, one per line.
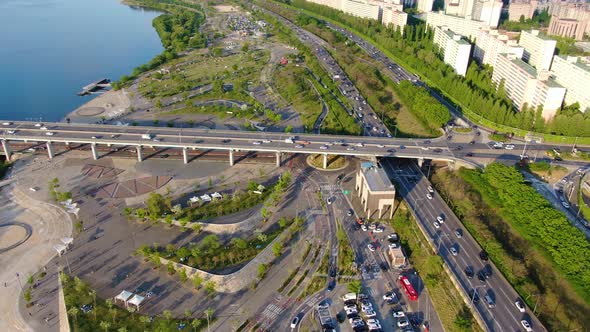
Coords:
504,316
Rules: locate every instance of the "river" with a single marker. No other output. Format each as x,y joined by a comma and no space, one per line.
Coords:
51,48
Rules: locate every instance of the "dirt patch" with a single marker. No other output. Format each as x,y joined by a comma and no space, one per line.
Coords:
132,188
226,9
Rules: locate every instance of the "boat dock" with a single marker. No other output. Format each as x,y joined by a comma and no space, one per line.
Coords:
94,86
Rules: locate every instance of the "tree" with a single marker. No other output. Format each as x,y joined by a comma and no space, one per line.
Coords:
128,212
73,311
104,325
170,268
209,313
92,294
195,323
262,268
158,103
239,243
182,275
144,319
210,287
245,47
167,314
277,248
155,205
122,329
197,280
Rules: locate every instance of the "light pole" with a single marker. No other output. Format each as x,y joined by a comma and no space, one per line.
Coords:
574,146
524,149
475,292
19,283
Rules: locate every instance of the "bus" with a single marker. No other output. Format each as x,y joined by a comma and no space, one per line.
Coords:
408,288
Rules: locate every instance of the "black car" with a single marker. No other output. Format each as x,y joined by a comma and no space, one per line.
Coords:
470,154
340,177
472,142
226,140
459,148
474,296
487,269
469,272
481,275
484,255
331,284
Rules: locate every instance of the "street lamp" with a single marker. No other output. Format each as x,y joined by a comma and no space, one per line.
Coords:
475,292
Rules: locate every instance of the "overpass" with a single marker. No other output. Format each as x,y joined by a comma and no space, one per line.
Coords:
188,139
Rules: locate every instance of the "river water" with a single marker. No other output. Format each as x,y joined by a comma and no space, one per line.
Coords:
49,49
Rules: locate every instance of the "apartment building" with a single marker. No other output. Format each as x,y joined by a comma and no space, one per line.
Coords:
425,6
569,19
361,8
574,75
487,11
538,49
460,25
455,49
394,16
375,190
521,8
524,85
461,8
489,43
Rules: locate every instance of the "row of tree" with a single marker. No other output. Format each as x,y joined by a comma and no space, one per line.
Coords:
414,47
533,217
425,108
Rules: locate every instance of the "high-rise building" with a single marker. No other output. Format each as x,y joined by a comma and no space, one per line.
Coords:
456,50
538,49
361,8
459,7
569,19
575,77
489,43
524,85
460,25
521,8
425,6
394,16
487,11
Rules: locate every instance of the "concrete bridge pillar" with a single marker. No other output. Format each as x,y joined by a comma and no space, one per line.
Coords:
278,153
325,160
231,157
94,151
139,154
7,151
50,150
420,162
185,155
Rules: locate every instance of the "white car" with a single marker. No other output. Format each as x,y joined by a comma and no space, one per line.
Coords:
436,225
380,146
379,230
360,145
565,205
256,142
371,247
43,128
403,322
370,313
350,307
399,314
440,219
509,147
350,148
266,141
364,227
38,125
389,296
430,190
373,323
393,245
324,147
453,251
299,146
429,196
49,133
329,200
527,326
294,322
373,226
10,132
520,306
6,123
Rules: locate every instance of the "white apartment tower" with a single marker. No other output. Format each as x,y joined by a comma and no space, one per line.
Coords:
525,86
487,11
490,43
394,16
538,50
425,6
460,25
575,77
455,49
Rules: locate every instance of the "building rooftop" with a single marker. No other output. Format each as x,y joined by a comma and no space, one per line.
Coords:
377,179
552,84
528,68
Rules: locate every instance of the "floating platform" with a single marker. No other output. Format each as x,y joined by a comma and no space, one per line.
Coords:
94,86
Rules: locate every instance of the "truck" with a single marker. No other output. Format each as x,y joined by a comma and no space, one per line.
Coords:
294,140
147,136
290,140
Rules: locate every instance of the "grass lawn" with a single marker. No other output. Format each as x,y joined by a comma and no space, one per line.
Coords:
446,299
408,125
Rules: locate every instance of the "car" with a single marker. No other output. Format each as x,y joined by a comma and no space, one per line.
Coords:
454,251
481,275
257,142
436,225
384,266
10,132
379,229
349,307
226,140
43,128
370,313
49,133
38,125
331,284
324,147
402,147
349,213
459,148
565,205
294,322
329,200
350,148
509,147
393,237
403,322
487,270
391,150
371,247
484,255
527,326
389,296
372,226
469,272
149,294
86,308
440,219
459,233
266,141
470,154
299,146
524,156
393,245
520,306
360,144
364,227
6,123
373,323
430,190
429,196
472,142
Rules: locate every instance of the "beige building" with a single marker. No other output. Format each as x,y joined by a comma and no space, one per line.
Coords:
538,49
490,43
575,77
361,9
455,49
394,16
425,6
397,257
459,25
524,85
375,190
461,8
518,8
487,11
569,19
